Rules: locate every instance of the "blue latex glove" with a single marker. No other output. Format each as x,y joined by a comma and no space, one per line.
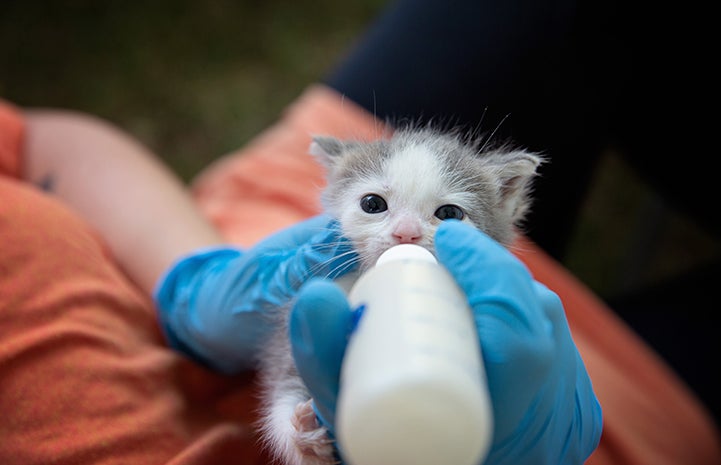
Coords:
213,305
545,411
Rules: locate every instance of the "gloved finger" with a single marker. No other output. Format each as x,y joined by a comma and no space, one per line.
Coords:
516,336
556,316
573,368
489,275
550,302
319,326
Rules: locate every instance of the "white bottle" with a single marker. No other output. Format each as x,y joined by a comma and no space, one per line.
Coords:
413,387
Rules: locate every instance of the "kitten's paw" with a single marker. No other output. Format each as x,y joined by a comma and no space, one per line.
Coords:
311,439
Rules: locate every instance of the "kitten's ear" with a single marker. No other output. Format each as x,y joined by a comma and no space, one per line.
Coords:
516,170
326,149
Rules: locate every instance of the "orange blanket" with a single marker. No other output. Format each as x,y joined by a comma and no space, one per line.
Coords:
85,377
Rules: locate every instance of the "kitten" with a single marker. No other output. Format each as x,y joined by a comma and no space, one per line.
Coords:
384,193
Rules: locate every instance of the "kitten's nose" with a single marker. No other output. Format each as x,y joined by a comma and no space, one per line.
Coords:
407,233
406,239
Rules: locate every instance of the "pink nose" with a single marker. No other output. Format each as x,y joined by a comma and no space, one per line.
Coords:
407,232
406,238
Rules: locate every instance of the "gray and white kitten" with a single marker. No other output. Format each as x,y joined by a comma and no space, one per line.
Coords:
386,192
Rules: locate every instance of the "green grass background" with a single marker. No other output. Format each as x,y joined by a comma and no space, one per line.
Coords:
196,79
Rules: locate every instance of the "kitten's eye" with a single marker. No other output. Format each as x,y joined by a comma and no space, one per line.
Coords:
449,212
373,203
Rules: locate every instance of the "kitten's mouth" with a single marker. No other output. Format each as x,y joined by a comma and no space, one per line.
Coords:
371,254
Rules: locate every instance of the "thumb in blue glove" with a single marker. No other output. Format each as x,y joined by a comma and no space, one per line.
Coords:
319,326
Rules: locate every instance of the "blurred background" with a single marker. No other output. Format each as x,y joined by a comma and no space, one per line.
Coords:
194,80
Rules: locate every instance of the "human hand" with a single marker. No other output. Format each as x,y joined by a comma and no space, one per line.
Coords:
214,304
544,407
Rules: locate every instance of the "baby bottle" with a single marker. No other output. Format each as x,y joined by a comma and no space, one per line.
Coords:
413,387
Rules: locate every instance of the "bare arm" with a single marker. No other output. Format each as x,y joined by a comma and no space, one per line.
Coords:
143,211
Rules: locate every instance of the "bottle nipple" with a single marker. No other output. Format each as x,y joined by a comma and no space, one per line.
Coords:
406,252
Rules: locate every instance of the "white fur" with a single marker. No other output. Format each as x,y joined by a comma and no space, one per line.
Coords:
292,432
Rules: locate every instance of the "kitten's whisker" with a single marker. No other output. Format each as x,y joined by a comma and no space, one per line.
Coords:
519,246
493,133
329,248
326,245
344,266
483,116
475,135
318,267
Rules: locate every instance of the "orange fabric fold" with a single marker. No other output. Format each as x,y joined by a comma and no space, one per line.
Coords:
85,377
650,415
11,136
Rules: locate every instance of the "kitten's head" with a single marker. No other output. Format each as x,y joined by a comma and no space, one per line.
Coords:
398,190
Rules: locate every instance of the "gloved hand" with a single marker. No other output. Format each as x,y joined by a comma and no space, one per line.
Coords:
214,304
545,411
